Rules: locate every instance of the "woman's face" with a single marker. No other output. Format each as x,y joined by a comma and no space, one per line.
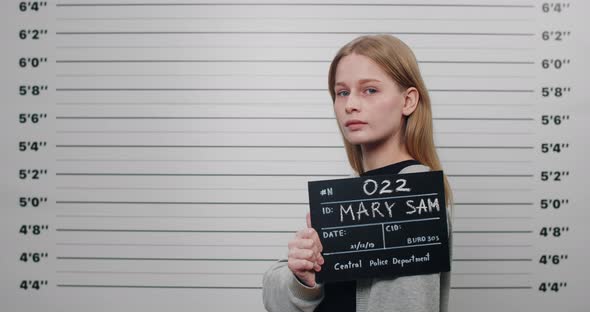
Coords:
368,103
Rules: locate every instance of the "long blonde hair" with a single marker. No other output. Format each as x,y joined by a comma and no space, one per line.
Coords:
398,61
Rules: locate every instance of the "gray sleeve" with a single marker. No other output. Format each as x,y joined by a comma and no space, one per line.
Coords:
416,293
445,277
282,292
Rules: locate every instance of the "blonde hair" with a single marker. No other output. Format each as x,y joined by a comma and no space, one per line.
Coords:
398,61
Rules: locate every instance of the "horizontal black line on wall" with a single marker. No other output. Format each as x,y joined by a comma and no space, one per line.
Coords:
491,175
295,18
239,273
491,274
495,204
493,232
159,273
171,231
271,89
494,260
249,203
164,259
274,103
186,146
257,217
454,5
196,259
193,117
297,46
236,273
197,174
173,202
490,246
259,146
528,133
248,231
292,33
281,61
155,286
331,161
258,288
276,118
268,175
490,287
171,245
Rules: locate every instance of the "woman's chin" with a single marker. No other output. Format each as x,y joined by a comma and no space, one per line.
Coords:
358,139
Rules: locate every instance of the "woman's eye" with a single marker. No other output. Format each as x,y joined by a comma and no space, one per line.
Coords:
371,91
342,93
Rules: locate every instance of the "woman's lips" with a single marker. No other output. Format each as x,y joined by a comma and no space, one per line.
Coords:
354,124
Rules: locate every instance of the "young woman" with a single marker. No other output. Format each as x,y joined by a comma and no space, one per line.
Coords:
383,112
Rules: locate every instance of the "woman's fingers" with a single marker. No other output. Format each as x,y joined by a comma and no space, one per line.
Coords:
320,260
317,267
305,253
304,270
302,243
316,239
310,233
300,265
306,233
306,243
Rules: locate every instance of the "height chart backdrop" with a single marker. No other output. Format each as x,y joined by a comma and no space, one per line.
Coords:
155,154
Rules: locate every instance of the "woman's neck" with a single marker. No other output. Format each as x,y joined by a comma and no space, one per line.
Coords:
384,153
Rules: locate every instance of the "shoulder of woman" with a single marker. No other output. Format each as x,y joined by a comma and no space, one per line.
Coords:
415,168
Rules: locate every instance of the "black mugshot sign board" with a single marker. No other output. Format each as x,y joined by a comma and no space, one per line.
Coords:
378,226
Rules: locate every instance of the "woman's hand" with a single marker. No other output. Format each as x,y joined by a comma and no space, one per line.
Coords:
305,256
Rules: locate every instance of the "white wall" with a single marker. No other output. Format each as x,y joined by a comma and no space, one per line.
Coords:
166,123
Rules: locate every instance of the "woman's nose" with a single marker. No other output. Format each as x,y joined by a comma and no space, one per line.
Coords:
352,104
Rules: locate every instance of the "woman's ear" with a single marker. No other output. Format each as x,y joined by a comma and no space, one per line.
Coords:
411,99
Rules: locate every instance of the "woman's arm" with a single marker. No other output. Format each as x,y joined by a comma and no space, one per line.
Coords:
282,292
282,286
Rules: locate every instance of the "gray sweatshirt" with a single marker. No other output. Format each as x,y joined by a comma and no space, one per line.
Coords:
282,292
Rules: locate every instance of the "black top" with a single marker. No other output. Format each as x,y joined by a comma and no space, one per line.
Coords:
341,296
391,169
